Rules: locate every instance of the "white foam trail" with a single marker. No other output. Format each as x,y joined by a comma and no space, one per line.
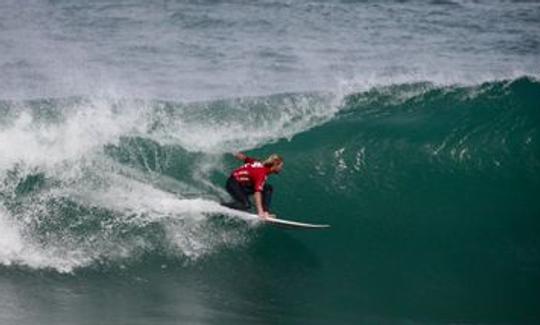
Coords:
150,204
18,249
184,222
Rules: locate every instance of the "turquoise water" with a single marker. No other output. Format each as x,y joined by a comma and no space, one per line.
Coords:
431,193
116,142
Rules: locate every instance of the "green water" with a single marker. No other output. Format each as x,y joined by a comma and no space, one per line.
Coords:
432,194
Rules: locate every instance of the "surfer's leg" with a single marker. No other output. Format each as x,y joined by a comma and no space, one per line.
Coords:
267,196
241,200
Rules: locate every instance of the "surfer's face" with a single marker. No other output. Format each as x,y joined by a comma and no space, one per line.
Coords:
277,167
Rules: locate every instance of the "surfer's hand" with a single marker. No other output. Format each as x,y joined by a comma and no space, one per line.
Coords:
240,156
264,214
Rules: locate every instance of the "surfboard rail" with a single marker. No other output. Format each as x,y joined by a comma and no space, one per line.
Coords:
293,224
274,220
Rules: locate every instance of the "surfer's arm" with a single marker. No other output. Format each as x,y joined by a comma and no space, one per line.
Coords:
240,156
259,205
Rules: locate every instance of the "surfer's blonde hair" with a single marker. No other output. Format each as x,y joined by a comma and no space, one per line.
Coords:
273,160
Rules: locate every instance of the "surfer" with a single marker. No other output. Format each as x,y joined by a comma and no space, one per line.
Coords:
250,179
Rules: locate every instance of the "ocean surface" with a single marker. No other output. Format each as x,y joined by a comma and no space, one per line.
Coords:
412,127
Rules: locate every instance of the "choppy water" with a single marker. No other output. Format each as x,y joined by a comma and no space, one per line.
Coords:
412,127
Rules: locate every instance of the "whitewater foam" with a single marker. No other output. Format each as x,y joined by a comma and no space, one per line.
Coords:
83,128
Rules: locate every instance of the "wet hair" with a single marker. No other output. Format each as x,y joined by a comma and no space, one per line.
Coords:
272,160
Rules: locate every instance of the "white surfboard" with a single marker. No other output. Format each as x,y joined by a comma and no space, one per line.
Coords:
251,217
293,224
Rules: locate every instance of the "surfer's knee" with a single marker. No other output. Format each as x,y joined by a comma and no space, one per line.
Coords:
245,207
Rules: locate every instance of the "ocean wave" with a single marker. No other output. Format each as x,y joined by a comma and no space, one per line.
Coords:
105,182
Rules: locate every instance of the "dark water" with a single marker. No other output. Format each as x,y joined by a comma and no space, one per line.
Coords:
411,127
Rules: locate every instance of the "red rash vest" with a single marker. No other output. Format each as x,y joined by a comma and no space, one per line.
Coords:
252,173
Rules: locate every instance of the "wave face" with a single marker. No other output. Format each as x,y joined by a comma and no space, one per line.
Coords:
433,197
436,185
